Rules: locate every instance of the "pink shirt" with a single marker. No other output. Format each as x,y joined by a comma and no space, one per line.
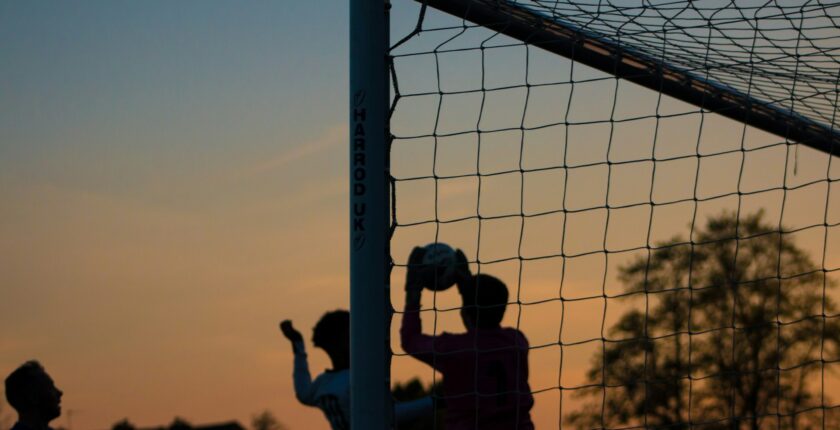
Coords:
485,374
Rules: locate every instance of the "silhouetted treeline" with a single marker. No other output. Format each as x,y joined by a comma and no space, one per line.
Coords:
730,332
262,421
413,389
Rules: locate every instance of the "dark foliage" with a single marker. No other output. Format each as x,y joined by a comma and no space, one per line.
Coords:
735,336
413,389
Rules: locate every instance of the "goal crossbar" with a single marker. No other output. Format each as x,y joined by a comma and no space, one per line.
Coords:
606,55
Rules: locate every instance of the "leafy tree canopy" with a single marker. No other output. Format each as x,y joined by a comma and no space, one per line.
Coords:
735,335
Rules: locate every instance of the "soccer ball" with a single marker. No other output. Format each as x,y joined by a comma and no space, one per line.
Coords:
441,262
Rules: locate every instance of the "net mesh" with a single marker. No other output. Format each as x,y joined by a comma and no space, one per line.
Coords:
670,267
783,53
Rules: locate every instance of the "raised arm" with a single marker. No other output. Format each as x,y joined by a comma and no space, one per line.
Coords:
302,379
412,339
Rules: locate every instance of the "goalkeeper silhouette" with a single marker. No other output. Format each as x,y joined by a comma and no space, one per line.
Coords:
330,391
485,370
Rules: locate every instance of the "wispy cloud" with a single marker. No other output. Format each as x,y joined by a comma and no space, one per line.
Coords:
11,345
331,138
458,188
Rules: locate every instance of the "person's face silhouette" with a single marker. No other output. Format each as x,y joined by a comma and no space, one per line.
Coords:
46,399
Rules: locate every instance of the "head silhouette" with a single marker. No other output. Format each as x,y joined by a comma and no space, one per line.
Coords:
485,300
332,334
33,394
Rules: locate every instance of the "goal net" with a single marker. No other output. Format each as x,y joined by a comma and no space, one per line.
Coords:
656,182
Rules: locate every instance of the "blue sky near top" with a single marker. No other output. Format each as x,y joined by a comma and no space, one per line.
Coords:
90,79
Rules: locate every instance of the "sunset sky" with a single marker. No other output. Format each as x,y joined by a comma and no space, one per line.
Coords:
171,173
173,182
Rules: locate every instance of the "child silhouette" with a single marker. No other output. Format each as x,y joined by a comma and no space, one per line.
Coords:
330,391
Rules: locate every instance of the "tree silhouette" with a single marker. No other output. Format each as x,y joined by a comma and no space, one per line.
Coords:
123,424
735,336
265,420
179,423
414,389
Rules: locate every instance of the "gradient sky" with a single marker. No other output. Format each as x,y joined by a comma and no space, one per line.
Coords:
172,173
164,166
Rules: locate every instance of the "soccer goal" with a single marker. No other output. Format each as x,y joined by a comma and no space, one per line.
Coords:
656,182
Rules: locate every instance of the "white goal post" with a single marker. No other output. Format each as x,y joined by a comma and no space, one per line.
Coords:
369,219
